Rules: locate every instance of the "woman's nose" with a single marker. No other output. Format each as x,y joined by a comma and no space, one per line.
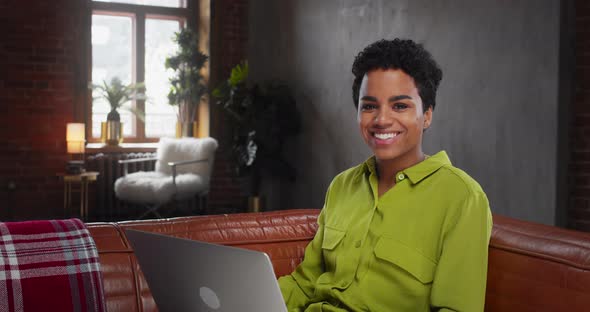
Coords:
383,118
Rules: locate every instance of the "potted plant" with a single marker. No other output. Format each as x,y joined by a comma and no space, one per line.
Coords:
117,95
262,117
187,86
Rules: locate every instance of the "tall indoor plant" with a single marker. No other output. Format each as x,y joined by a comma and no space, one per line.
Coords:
262,117
117,95
187,86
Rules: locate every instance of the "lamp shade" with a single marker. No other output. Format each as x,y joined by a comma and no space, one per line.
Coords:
75,138
75,132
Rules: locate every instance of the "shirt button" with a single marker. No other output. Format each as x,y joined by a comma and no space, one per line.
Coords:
357,244
401,176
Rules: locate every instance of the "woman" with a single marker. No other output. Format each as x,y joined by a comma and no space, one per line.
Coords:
402,231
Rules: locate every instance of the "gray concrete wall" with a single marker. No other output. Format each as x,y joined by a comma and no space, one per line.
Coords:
497,106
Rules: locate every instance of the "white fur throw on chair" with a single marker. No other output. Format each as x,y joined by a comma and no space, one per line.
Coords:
186,149
157,187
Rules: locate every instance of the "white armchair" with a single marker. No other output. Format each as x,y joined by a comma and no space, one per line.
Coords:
183,170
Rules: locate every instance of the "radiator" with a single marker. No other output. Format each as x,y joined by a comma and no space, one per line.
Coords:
107,206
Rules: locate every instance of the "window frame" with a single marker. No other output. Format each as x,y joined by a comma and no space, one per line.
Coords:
139,13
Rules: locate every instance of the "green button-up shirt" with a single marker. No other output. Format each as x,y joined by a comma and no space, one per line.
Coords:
421,246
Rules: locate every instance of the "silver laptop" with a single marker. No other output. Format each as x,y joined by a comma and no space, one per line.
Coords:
187,275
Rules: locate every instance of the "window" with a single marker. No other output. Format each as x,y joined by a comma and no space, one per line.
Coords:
131,40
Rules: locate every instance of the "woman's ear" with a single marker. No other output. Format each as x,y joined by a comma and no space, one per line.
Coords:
427,118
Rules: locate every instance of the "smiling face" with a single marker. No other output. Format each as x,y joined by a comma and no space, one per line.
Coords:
391,118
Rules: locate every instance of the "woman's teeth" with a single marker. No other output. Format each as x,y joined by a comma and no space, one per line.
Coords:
385,136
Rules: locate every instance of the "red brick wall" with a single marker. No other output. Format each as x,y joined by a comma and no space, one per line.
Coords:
579,173
39,59
42,83
228,48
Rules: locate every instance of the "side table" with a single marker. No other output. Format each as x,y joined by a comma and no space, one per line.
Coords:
83,179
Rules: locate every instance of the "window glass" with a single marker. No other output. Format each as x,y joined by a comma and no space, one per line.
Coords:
111,57
160,117
163,3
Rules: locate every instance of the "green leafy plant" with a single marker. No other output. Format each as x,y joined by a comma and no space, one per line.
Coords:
117,95
187,85
261,117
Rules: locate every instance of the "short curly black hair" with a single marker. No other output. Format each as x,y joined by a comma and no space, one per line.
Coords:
402,54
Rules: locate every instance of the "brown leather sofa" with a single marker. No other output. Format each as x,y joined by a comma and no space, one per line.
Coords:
532,267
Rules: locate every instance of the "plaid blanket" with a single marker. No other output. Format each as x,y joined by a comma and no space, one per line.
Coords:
49,265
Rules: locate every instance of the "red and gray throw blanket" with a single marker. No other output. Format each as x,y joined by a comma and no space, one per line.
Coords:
49,265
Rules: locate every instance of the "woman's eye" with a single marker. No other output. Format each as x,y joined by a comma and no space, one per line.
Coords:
400,106
367,107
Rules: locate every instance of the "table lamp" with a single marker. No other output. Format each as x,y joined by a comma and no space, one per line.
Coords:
76,140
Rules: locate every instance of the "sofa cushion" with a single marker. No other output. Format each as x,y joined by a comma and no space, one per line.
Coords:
49,265
283,235
536,267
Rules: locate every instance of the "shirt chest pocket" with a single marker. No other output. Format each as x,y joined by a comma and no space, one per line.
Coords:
332,243
390,252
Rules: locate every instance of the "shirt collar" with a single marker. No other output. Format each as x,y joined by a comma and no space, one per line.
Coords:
419,171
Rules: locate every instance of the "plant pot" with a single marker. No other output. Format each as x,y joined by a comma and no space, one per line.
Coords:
113,115
186,129
255,203
111,132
